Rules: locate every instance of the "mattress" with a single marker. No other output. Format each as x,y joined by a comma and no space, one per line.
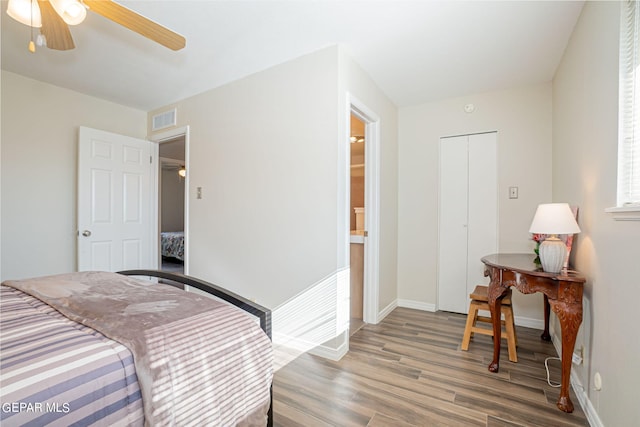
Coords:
112,350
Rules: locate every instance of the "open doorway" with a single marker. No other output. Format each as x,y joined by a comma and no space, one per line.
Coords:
364,164
171,203
356,214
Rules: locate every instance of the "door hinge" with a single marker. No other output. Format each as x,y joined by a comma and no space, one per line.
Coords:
150,159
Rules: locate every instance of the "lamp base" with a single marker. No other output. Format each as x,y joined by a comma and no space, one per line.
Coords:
553,252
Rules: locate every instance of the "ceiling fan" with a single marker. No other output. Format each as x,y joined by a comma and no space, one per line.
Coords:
53,17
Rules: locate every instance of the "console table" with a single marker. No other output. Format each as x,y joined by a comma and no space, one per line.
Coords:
562,290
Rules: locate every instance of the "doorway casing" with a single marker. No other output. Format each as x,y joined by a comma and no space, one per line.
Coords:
372,203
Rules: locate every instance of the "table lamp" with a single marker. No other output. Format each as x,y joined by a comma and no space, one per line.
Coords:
553,219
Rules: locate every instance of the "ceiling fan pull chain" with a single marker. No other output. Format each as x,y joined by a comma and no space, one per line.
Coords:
32,46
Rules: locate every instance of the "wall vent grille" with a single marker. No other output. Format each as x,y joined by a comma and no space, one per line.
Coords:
164,120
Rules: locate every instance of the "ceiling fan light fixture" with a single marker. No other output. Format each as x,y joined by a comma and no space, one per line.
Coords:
71,11
26,12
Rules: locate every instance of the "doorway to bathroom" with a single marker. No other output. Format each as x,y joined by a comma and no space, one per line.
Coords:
357,228
365,220
362,227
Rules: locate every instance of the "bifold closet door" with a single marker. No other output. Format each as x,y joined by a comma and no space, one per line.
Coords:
482,238
467,216
452,236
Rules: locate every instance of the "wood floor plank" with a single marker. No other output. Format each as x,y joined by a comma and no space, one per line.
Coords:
381,420
409,371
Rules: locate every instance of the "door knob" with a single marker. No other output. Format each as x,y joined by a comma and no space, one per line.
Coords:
86,233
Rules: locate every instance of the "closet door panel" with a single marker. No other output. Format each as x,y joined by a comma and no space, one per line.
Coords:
452,273
482,206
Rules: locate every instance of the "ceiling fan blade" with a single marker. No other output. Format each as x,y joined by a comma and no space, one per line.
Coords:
55,30
136,22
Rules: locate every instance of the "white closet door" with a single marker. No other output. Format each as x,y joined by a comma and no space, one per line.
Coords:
482,239
468,212
452,272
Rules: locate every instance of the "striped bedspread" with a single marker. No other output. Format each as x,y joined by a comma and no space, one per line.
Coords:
197,361
54,371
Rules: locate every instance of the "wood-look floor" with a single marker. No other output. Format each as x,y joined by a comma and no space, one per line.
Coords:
409,371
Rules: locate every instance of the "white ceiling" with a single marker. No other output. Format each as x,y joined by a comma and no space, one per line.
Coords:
416,51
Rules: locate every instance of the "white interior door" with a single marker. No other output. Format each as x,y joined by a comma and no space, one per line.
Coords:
452,259
482,238
114,202
468,216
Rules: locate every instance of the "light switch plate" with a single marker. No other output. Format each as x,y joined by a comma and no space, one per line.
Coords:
513,192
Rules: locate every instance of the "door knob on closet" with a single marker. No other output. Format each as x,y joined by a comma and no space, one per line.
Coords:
86,233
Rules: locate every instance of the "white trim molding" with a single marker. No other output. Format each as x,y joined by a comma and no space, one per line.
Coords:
417,305
583,399
526,322
372,206
331,353
630,213
581,393
386,311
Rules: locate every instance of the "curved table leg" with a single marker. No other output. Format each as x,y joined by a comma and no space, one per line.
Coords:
546,336
570,316
495,293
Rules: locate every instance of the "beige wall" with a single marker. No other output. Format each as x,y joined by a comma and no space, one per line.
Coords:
171,201
522,118
265,158
39,143
268,224
585,138
266,152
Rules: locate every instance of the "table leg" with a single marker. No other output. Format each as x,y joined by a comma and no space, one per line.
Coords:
495,306
547,311
570,316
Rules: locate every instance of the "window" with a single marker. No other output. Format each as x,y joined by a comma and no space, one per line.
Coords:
629,110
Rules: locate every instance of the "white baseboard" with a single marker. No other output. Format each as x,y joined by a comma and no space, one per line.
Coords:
585,403
385,311
519,320
331,353
417,305
583,398
528,322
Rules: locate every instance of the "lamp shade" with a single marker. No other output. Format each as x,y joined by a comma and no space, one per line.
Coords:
554,218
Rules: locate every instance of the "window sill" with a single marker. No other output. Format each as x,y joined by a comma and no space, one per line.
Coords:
626,213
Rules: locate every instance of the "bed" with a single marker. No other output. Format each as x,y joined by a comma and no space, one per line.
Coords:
172,243
97,348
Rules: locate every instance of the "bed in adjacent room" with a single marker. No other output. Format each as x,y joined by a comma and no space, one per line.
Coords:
109,349
172,244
